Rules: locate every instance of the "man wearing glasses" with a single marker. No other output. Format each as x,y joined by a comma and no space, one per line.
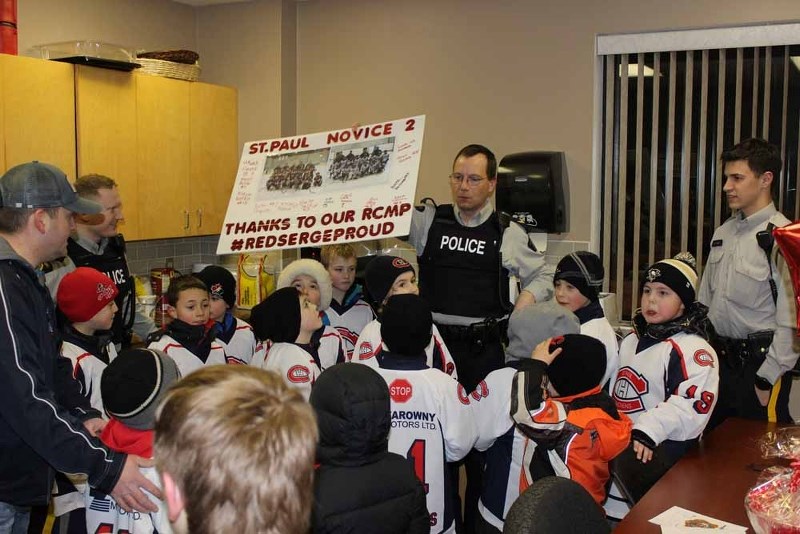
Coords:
466,253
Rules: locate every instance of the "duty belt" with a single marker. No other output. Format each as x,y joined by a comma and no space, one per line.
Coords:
482,332
738,351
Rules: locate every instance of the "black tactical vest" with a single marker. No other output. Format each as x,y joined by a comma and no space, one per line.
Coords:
112,263
460,270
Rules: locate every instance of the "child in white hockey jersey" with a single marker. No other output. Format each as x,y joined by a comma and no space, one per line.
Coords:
284,324
85,299
431,418
133,385
505,445
235,335
668,379
311,279
577,281
386,276
189,337
86,306
348,313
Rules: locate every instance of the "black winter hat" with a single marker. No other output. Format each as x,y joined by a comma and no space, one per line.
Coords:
220,283
676,273
277,318
381,273
406,325
134,383
581,365
584,270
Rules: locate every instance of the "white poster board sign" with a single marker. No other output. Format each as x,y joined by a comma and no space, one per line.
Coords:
331,187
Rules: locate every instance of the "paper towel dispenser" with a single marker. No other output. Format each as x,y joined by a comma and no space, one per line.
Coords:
533,188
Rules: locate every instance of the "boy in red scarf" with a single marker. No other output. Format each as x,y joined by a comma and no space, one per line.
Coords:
132,387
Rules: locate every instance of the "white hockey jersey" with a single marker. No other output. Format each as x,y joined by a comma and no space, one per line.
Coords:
431,424
293,363
331,347
87,370
370,344
600,328
242,345
504,475
668,388
103,516
349,323
186,359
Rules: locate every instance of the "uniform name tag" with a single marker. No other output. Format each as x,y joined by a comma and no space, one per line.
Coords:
716,243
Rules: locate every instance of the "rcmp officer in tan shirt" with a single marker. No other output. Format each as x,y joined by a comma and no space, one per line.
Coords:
749,295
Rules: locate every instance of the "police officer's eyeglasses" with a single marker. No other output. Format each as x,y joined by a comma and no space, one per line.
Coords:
472,179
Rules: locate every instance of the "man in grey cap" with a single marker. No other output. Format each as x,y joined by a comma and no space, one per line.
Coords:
42,427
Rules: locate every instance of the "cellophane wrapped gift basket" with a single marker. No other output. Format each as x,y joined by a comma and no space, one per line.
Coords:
773,504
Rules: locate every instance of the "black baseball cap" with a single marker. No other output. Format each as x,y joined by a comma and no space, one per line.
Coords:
40,185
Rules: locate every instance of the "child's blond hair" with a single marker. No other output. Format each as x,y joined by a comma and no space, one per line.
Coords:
329,252
240,445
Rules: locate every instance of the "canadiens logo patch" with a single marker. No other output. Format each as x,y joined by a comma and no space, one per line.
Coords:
298,374
365,351
400,390
400,263
703,358
629,389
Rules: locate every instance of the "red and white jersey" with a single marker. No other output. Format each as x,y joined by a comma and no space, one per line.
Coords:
186,359
350,323
293,363
242,346
370,344
504,474
87,370
601,329
331,347
103,516
668,388
431,423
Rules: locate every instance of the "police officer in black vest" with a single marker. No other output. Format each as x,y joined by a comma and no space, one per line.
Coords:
97,243
466,253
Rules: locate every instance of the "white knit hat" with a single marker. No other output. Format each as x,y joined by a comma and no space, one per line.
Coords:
315,270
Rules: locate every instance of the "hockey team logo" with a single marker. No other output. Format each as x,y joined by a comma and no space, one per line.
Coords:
703,358
653,275
400,263
629,389
298,374
400,390
216,290
365,351
104,292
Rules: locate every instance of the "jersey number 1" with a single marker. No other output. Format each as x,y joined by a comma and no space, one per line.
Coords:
416,454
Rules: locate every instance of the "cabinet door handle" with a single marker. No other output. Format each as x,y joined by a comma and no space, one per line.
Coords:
185,219
200,217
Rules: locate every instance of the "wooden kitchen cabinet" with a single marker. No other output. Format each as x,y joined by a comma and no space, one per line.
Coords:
162,124
37,113
187,156
170,144
105,102
214,157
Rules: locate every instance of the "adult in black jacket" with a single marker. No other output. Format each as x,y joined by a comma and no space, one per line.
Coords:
41,428
360,486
